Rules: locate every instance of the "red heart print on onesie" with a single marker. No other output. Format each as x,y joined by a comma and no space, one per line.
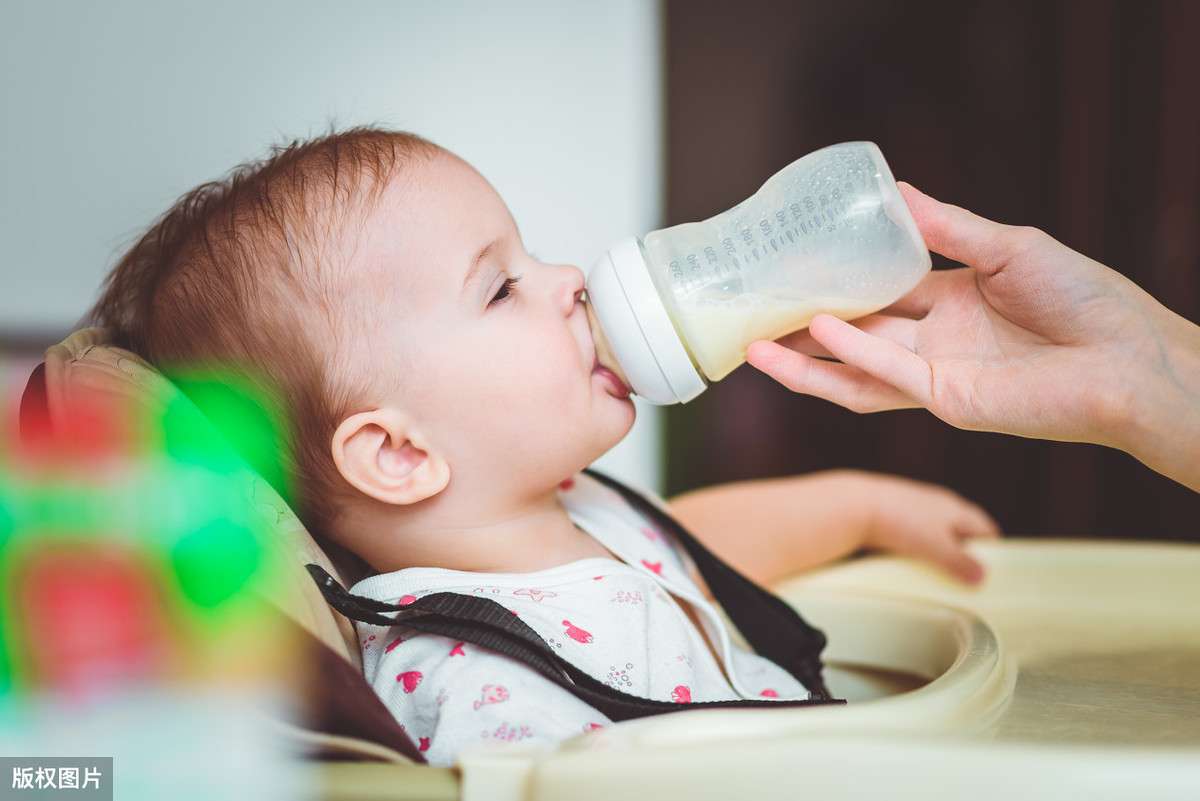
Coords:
536,595
492,694
577,634
410,679
654,567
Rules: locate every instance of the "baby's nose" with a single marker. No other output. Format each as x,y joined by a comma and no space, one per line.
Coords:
569,288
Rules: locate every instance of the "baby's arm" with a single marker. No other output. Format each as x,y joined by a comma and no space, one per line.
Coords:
772,528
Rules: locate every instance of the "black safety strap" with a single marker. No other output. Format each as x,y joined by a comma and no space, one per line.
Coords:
771,627
485,623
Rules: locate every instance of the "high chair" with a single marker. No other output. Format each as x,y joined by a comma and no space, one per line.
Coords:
1073,671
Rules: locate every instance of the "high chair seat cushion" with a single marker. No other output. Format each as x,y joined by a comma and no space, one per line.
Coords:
86,376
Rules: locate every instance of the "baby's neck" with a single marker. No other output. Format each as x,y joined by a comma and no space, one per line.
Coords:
512,538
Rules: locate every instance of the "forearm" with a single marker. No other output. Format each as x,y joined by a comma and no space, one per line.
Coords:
772,528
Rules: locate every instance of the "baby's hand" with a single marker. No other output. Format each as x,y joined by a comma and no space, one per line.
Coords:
928,522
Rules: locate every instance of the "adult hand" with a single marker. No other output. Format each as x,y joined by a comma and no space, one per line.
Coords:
1031,338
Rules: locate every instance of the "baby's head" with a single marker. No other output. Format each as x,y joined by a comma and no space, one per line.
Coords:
380,287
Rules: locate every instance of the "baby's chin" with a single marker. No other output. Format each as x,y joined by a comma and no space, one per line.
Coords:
611,437
624,430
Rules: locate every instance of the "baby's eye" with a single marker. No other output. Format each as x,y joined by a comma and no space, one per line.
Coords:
506,289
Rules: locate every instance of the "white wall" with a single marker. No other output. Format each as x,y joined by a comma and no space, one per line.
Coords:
113,109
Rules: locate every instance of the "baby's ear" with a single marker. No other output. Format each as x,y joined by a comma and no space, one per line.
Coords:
381,454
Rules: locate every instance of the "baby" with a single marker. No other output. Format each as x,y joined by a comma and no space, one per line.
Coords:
446,394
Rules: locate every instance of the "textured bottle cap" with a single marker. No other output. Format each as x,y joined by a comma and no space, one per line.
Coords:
639,330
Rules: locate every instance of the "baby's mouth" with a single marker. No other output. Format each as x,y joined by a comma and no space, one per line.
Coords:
620,390
605,363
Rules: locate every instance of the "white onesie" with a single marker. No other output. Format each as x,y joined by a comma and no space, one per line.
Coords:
623,622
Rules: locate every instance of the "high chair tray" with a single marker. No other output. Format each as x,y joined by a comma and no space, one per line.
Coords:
1073,671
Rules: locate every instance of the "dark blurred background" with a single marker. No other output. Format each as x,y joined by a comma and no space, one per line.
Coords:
1079,117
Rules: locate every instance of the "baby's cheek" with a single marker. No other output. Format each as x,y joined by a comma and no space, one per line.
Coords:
547,373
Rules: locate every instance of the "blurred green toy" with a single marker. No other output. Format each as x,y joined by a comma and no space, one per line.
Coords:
130,550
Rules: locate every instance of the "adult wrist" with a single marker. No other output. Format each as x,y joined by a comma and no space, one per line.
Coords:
1162,426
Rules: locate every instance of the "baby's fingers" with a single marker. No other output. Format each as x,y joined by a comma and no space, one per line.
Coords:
955,560
950,551
974,523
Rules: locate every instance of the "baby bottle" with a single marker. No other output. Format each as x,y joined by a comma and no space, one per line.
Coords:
828,233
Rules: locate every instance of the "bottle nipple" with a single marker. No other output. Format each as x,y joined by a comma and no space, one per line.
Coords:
604,354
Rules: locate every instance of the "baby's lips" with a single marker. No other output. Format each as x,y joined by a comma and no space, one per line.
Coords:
619,387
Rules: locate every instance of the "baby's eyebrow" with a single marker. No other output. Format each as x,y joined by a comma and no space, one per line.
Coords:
477,263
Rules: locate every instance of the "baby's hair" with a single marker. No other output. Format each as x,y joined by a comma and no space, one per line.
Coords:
245,274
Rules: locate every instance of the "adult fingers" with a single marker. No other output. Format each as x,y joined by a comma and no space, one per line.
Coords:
900,329
957,233
802,342
932,289
889,362
830,381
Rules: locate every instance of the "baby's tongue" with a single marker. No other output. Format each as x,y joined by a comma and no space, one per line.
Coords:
604,352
